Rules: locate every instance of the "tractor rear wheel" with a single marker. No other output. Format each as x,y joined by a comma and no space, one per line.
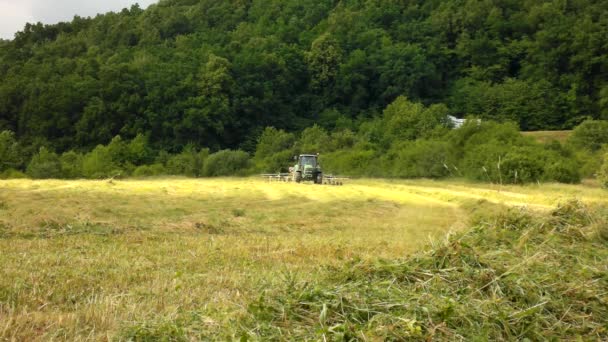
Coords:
319,179
298,177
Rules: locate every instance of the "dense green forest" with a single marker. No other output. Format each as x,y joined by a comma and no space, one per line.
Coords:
375,79
216,73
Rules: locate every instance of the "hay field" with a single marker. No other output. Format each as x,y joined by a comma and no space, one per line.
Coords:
90,260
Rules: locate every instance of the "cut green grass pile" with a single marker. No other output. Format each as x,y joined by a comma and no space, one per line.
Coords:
513,276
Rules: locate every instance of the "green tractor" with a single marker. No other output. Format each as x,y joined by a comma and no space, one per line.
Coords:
307,169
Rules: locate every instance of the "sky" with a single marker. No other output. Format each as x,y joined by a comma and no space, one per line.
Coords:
14,14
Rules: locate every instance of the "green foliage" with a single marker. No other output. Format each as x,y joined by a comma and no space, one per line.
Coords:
534,105
590,135
188,163
589,162
12,174
313,140
217,73
71,165
226,163
518,164
603,174
354,162
563,171
521,165
44,164
149,170
100,164
274,150
421,158
405,120
10,152
139,151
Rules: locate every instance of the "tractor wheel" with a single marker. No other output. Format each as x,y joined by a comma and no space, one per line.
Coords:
298,177
319,179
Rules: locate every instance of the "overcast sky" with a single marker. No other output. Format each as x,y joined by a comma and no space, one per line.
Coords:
14,14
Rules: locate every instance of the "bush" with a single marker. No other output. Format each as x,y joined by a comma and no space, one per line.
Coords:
603,174
422,158
99,164
118,151
354,162
522,165
138,152
405,120
589,162
12,174
474,134
188,163
44,164
226,163
313,140
274,150
71,165
481,162
10,152
149,170
590,135
563,171
496,162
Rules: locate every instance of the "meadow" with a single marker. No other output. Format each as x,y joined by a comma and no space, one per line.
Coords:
122,259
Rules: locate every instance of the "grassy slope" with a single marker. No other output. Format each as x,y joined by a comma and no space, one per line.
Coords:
186,257
548,136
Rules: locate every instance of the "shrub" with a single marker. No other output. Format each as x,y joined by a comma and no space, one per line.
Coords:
44,164
422,158
274,150
522,165
138,152
563,171
71,165
359,161
99,164
12,174
226,163
10,152
590,135
118,151
474,134
481,162
149,170
589,162
405,120
188,163
496,162
603,174
313,140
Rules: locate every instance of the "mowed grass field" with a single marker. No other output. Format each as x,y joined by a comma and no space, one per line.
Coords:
89,260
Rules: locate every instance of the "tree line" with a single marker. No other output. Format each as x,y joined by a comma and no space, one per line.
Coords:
194,74
409,140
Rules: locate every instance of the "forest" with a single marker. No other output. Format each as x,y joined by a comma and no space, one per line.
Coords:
377,78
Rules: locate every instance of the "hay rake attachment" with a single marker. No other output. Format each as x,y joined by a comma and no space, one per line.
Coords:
290,177
307,168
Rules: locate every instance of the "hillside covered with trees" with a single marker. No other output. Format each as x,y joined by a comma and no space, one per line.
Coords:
215,73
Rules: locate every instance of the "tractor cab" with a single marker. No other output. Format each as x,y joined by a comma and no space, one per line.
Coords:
307,169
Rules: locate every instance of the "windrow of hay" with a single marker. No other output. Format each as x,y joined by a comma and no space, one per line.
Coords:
514,275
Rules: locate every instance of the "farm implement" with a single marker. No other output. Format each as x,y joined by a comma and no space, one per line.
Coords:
307,168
